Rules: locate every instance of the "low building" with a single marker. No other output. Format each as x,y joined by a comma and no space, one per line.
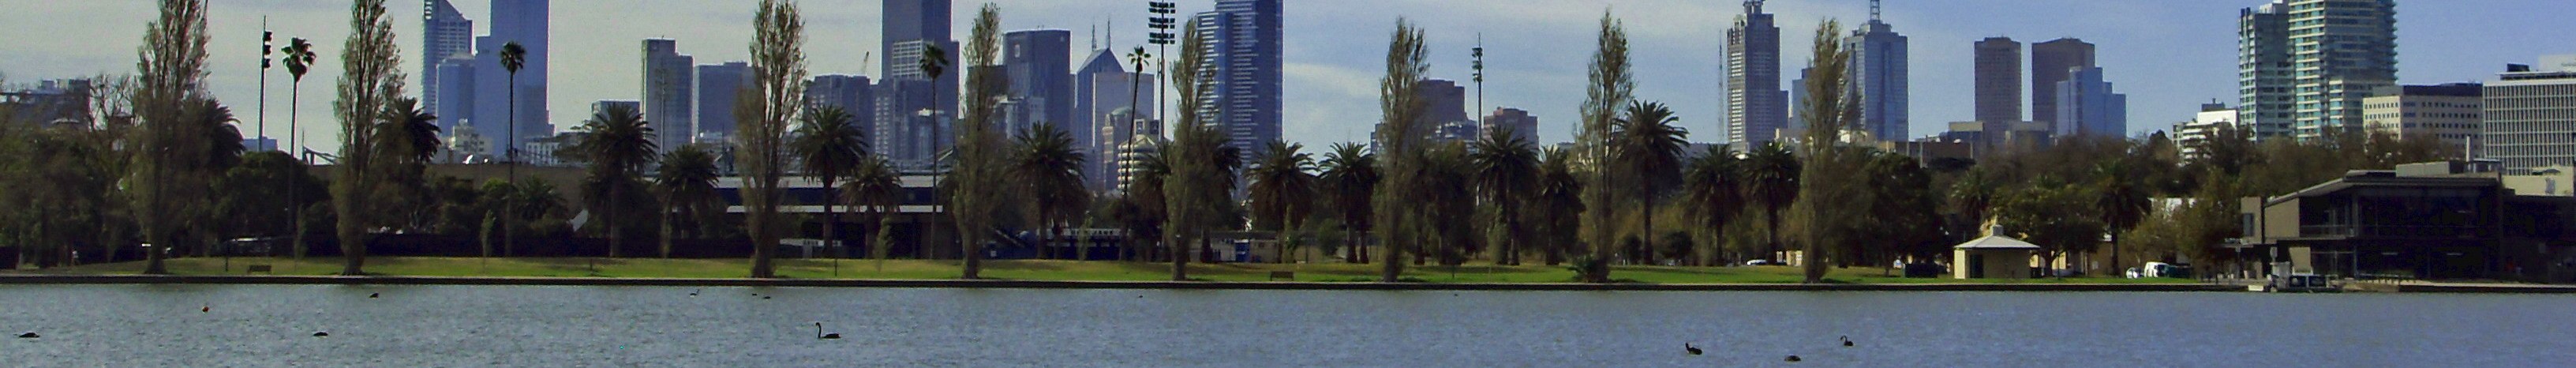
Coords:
2449,111
2190,135
2441,220
1992,257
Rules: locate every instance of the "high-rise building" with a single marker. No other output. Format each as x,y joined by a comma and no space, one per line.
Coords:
669,83
1879,76
2305,65
719,88
909,30
2528,112
2452,112
456,82
1444,108
1517,121
445,34
523,22
1756,109
1039,63
2190,135
2051,63
1998,86
852,94
1245,51
1101,88
2088,107
907,131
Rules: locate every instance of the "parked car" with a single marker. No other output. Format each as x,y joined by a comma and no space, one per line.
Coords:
2161,269
1761,262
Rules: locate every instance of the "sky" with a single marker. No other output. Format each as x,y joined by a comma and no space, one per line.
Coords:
2169,56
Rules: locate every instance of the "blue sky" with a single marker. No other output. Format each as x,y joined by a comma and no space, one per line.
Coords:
2167,55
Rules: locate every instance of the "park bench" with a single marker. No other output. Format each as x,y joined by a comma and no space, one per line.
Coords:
259,268
1283,275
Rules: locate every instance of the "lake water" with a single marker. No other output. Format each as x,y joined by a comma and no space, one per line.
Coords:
161,325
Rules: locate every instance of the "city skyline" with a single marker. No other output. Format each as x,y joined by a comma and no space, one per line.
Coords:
2188,49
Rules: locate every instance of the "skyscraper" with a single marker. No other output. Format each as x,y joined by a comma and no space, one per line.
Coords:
1756,109
1244,61
1517,121
2305,65
910,28
445,34
2527,112
2087,107
668,82
2051,63
523,22
718,89
851,93
1879,74
1039,63
1104,86
1998,86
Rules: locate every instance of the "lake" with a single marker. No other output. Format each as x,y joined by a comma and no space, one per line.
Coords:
161,325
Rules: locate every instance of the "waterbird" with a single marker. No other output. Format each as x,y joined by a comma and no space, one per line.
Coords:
693,292
1847,341
203,308
372,295
764,298
1793,358
28,335
1694,350
321,334
818,333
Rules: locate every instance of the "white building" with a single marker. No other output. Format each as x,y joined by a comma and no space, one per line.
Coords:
2190,135
2307,64
2530,117
2448,111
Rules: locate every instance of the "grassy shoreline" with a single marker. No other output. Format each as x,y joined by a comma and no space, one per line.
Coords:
1018,270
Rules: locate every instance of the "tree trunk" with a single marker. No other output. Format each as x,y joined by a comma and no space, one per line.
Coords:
616,239
832,221
1180,258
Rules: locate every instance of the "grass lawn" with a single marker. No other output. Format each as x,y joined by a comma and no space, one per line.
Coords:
1013,270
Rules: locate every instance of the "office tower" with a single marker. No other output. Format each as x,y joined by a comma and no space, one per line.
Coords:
2305,65
1517,121
2451,112
909,28
1756,109
719,89
2051,63
907,131
445,34
523,22
1244,61
1998,86
456,82
670,81
1879,76
2087,107
1103,87
851,93
601,107
1039,63
2527,113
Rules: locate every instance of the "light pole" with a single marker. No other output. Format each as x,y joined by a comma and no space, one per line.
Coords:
1162,37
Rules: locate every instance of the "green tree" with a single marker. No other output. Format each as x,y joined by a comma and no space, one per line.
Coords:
1830,197
876,185
1648,147
982,158
1611,86
830,144
1507,179
1283,193
777,90
1905,211
1141,210
1049,170
1713,192
1771,181
371,82
170,168
1190,190
1350,176
1560,203
686,183
1401,142
406,138
2061,219
2121,197
620,145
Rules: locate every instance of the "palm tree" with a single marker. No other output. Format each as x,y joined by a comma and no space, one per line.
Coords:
1506,169
513,57
686,181
299,60
1771,180
2121,199
1283,190
1560,200
1650,147
619,146
1136,84
1350,177
876,185
1714,189
1050,171
831,145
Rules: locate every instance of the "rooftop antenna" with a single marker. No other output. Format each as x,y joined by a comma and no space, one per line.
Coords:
1873,11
